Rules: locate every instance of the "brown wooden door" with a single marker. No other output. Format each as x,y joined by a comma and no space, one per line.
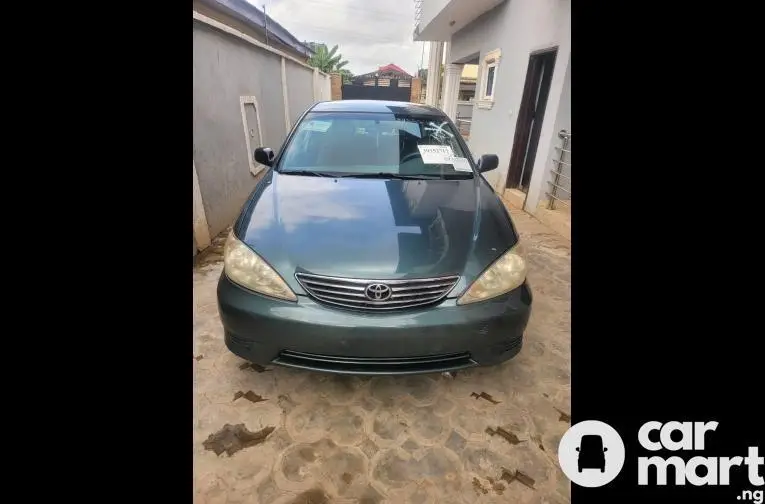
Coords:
529,124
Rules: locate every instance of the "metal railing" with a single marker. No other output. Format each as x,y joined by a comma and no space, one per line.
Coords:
562,163
417,19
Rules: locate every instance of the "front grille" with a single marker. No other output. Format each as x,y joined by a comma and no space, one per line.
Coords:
354,293
372,365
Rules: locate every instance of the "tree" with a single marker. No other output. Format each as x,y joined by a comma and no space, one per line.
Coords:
422,73
325,59
347,76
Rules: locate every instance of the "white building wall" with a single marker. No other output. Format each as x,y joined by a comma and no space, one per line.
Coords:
430,9
557,120
517,28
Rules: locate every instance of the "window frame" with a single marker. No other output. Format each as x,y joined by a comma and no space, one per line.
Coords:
490,60
489,67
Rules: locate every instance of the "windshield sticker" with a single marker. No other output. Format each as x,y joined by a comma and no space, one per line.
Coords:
443,154
460,164
321,126
435,154
438,131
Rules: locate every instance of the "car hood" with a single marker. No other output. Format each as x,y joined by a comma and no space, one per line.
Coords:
375,228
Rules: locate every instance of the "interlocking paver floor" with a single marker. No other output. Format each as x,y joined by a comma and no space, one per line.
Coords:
417,439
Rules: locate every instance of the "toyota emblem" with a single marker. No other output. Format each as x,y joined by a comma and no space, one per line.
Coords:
377,292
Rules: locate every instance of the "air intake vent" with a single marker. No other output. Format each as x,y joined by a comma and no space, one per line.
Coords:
361,365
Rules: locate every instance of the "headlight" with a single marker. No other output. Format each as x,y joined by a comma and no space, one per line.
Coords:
248,269
504,275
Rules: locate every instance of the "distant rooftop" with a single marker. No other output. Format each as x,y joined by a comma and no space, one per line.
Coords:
390,67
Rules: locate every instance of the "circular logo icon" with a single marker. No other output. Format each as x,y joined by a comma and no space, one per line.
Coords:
378,292
591,453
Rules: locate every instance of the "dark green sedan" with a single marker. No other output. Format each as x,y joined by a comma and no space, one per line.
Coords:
373,245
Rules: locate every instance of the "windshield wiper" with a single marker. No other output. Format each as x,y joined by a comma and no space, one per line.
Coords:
389,175
380,175
308,173
461,176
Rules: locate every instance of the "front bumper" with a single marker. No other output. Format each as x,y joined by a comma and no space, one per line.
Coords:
308,335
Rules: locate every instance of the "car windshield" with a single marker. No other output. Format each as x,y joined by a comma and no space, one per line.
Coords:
592,443
375,144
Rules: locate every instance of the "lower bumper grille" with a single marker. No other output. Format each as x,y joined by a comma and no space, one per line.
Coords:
365,365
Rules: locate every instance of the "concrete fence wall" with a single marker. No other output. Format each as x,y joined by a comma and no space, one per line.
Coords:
245,95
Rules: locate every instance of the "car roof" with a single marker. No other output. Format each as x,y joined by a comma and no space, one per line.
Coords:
380,106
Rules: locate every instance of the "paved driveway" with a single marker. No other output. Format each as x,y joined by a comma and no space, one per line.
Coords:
285,436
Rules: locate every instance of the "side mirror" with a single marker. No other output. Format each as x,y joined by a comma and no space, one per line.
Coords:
605,449
265,156
488,162
577,448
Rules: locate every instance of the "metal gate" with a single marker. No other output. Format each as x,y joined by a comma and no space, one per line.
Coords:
391,92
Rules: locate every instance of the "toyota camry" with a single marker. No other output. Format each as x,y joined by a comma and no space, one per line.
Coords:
374,245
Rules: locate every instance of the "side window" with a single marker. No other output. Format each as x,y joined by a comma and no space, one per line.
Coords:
489,92
488,78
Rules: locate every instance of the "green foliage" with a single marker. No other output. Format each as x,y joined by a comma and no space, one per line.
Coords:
347,76
423,73
326,60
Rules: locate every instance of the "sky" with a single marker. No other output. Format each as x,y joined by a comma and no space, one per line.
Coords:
369,34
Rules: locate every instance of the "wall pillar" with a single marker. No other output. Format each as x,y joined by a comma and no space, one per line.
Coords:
326,88
285,97
336,86
452,74
445,59
433,85
415,90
